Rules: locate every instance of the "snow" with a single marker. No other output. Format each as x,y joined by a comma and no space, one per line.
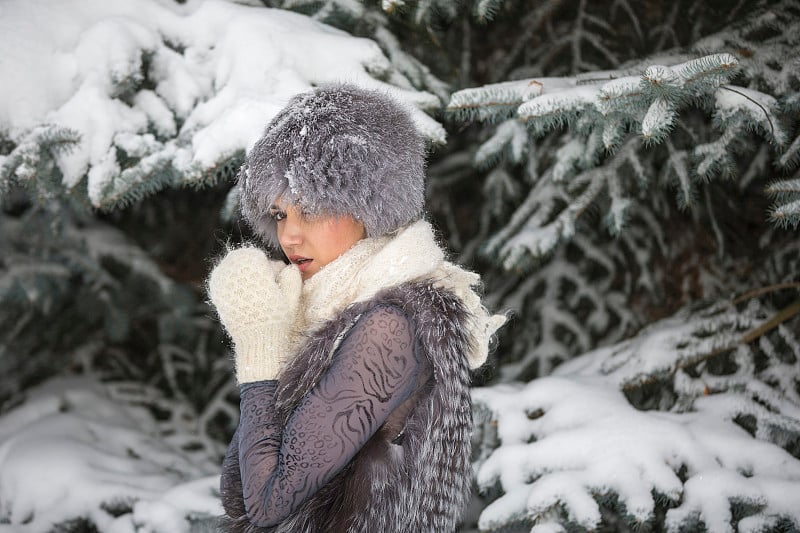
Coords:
570,437
551,103
660,348
546,103
762,109
568,159
72,450
509,91
389,5
565,440
617,94
661,75
658,120
216,73
511,136
167,84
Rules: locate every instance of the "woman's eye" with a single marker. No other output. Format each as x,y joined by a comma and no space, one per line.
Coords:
277,216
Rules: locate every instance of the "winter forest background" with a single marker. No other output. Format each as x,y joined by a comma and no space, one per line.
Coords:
624,174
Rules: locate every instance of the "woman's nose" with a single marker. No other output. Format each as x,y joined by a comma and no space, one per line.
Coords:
290,231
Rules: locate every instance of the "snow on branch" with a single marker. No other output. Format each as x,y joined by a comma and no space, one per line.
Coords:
622,96
98,292
658,120
391,5
786,210
791,158
664,82
425,12
704,73
358,18
32,159
557,102
485,10
753,108
492,102
550,212
693,464
105,463
765,43
571,306
510,138
579,445
149,95
558,109
609,112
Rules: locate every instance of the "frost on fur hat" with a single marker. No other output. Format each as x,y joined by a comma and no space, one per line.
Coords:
337,150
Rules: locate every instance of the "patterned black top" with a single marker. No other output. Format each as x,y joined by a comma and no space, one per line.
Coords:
375,370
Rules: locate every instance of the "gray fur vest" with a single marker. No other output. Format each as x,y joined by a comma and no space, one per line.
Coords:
423,485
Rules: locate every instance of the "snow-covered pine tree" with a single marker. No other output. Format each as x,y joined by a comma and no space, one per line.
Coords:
569,176
174,97
693,424
372,20
726,363
99,275
84,457
141,98
596,142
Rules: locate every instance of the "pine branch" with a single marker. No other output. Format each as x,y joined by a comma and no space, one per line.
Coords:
510,140
780,317
658,121
712,70
492,102
786,215
784,189
791,158
556,110
765,290
485,10
35,151
776,320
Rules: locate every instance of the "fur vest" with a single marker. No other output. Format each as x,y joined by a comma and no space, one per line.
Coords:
420,484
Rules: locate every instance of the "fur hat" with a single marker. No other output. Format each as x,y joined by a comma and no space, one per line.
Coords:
337,150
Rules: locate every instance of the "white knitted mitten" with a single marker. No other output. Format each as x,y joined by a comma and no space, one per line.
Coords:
257,301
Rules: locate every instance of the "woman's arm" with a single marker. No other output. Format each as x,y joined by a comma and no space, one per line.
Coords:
230,481
374,370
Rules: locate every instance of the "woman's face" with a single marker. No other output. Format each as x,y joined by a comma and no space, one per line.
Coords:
313,242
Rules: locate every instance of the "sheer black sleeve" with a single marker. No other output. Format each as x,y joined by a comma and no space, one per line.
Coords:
374,370
230,482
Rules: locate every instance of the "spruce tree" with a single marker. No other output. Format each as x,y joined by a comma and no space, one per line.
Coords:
657,232
623,174
116,195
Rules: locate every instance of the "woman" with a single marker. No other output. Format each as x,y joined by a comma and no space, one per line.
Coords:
353,360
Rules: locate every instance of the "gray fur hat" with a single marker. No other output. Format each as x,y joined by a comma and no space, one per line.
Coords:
337,150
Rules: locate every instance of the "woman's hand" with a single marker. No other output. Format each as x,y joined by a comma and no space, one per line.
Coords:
257,300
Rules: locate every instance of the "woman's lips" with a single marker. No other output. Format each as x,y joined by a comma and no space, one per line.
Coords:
301,262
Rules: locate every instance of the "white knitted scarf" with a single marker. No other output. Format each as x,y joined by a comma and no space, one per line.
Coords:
375,264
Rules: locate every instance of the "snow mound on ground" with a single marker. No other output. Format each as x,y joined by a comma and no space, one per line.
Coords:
71,451
714,449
